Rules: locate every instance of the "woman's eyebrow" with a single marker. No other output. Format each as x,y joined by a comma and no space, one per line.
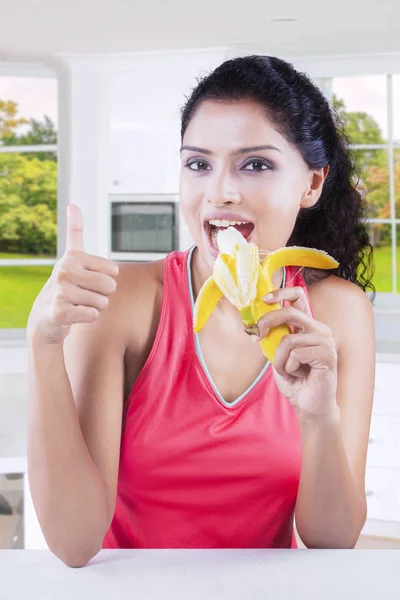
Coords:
239,151
256,148
196,149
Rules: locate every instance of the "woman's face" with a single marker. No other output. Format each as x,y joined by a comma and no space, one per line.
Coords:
237,168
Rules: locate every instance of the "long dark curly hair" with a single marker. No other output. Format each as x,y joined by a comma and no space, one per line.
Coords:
302,114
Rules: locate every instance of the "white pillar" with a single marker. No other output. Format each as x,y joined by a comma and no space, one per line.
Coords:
83,150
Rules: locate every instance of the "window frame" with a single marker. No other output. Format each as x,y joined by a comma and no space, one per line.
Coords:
323,70
11,336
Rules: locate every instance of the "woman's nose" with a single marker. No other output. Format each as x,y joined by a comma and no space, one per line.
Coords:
222,192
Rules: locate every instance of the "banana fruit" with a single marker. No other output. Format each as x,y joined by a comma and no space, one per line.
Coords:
239,275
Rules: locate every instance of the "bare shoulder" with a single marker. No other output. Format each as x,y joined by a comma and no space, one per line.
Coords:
137,297
141,278
343,306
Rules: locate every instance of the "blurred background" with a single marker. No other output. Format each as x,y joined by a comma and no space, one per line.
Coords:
90,94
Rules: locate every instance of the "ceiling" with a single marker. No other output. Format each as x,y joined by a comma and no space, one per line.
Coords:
38,29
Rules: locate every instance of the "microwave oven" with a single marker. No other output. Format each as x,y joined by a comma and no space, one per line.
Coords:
143,227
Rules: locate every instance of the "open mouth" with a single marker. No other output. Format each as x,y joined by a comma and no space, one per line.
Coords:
213,226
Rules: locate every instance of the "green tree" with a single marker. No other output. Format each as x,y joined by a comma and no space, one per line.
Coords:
360,126
28,185
372,165
27,181
40,132
29,229
9,121
28,204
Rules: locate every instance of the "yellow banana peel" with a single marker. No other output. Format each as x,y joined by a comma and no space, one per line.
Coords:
244,281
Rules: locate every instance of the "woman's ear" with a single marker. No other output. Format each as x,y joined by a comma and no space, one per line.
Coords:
314,191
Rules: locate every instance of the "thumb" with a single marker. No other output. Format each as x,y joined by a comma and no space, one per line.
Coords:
74,239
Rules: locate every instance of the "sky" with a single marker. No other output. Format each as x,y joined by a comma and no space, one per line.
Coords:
369,94
35,97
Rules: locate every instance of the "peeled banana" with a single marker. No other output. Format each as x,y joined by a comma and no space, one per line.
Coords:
239,275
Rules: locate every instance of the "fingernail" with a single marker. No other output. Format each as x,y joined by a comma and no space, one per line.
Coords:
255,338
268,297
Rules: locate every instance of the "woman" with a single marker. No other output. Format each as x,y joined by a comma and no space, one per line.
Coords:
144,435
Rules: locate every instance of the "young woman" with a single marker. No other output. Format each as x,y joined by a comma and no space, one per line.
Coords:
143,435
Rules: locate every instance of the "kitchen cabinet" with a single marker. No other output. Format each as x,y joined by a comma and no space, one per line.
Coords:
145,102
382,481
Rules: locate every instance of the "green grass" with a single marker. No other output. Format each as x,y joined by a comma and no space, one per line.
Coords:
383,269
19,286
13,255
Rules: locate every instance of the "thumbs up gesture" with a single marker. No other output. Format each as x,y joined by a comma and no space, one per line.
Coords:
77,290
74,238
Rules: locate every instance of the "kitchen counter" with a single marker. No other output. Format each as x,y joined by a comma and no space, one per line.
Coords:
203,574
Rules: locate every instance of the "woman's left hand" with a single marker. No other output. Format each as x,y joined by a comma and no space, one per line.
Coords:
305,364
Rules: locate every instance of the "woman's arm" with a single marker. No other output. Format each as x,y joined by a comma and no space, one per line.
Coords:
72,473
331,506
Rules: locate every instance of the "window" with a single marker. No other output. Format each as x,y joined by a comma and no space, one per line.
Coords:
28,192
369,105
366,106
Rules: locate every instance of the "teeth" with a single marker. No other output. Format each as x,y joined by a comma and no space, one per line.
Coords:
214,238
225,223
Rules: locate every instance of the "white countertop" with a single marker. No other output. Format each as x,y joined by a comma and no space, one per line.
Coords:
203,575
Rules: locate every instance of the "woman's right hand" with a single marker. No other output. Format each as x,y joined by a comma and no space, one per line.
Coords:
77,290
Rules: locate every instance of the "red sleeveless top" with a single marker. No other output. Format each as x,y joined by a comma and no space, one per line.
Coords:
196,471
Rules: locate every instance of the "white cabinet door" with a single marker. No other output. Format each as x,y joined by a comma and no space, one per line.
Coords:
384,442
383,494
382,481
145,103
33,536
144,160
387,386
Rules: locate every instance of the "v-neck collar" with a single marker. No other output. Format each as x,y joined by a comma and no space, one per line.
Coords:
200,354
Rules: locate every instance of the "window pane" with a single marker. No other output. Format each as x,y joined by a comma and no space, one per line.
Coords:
396,109
373,171
19,287
28,110
28,205
397,182
362,104
381,239
28,192
398,257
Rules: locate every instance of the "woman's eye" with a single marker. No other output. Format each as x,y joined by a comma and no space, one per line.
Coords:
197,165
256,165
